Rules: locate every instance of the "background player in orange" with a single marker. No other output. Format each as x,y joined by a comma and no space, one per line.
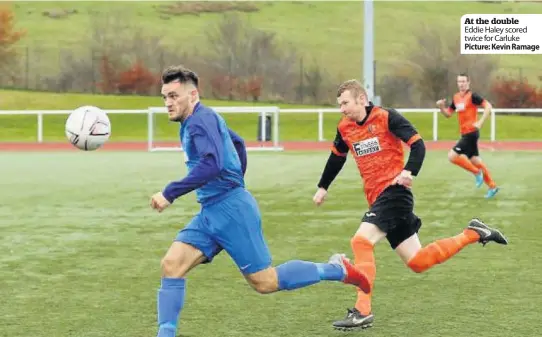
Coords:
465,153
374,136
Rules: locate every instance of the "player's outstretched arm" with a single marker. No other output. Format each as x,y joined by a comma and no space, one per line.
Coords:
405,131
446,111
334,165
240,147
209,147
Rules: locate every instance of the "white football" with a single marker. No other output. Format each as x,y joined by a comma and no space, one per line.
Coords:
88,128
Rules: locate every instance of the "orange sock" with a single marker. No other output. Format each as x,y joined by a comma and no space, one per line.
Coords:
441,250
465,163
487,176
364,260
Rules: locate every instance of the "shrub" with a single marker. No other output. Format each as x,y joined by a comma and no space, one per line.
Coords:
513,93
9,37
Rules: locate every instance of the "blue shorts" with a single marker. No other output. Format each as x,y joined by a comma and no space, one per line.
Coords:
233,224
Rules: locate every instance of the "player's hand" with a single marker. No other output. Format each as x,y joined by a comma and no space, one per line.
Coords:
319,196
159,202
404,178
477,125
441,102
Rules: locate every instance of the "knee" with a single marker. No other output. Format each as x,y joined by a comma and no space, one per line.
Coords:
264,286
358,243
368,234
173,267
264,282
452,155
179,259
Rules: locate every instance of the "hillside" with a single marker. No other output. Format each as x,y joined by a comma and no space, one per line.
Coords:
329,33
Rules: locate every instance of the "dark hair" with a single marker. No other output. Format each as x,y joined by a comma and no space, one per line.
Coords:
181,74
464,75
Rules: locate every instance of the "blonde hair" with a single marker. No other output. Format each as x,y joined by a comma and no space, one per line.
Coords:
354,86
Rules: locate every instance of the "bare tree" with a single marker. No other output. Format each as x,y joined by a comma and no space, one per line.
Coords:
239,50
433,65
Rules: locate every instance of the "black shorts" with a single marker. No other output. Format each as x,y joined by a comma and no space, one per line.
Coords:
393,213
468,144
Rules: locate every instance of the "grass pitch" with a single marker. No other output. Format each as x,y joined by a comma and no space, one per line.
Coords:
81,250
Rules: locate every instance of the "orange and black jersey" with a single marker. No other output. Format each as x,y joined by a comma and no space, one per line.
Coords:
466,105
376,145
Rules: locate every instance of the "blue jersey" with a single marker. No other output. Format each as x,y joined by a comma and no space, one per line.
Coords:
216,157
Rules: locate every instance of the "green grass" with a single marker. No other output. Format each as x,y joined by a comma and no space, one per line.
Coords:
335,37
81,250
134,127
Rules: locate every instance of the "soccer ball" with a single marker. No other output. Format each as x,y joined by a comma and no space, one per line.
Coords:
88,128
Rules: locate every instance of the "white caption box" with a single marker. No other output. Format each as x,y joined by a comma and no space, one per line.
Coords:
501,34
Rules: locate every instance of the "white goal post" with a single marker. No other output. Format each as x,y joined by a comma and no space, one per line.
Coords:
259,145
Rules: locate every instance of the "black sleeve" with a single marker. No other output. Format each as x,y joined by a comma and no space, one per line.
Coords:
416,157
334,165
477,99
404,130
452,105
335,162
339,143
400,126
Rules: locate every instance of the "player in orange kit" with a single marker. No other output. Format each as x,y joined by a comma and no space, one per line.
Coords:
465,153
374,136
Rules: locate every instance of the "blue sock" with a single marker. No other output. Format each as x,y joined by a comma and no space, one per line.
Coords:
170,303
330,272
298,274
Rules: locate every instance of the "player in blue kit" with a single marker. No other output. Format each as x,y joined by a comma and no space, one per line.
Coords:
229,218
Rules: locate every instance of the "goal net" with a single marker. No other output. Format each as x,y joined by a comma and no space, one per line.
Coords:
258,126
